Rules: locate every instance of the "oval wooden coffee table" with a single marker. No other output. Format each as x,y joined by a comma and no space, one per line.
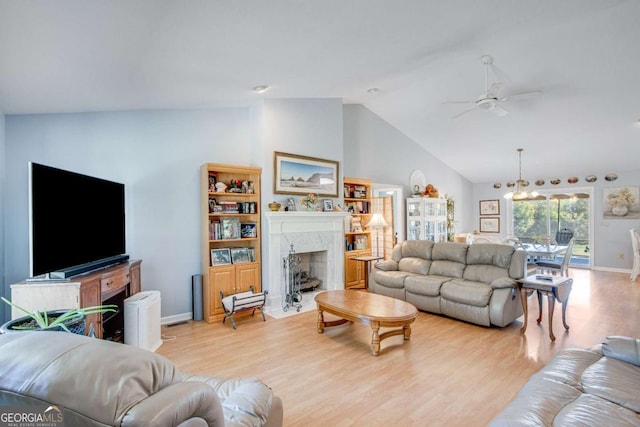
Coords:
370,309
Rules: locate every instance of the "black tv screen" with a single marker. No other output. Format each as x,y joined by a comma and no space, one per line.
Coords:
76,220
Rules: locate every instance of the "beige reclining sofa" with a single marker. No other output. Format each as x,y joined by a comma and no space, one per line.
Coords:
474,283
599,386
91,382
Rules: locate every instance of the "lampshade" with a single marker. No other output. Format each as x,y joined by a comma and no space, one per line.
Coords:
377,221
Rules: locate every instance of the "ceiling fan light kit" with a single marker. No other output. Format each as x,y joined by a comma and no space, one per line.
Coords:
490,99
520,193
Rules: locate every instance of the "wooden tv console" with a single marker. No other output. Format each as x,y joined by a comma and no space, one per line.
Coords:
106,286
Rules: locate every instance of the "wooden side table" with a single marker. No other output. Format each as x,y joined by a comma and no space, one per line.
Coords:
367,266
558,288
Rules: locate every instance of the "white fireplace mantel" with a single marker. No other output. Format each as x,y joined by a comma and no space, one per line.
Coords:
308,232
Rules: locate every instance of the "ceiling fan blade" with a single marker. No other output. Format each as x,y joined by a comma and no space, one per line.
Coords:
459,102
464,112
500,112
522,95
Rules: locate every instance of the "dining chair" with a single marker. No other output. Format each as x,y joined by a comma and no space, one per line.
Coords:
558,267
563,236
635,244
531,266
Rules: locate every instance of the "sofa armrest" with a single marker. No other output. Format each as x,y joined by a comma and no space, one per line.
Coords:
622,348
175,404
387,265
503,282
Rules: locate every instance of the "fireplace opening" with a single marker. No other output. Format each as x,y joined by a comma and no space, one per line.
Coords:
303,273
313,269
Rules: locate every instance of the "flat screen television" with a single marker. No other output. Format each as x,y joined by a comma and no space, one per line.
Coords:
77,222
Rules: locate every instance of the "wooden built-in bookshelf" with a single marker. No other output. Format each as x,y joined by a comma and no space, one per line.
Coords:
230,228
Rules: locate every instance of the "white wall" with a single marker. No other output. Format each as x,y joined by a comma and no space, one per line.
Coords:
309,127
375,150
4,287
156,155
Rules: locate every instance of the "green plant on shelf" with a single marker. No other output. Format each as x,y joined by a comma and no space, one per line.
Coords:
43,320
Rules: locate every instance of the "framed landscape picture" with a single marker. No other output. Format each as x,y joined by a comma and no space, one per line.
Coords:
296,174
489,225
489,207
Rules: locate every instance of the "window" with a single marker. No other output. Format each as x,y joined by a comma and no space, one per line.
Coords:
554,211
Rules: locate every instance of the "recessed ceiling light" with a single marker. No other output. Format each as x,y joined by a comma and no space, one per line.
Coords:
261,88
373,90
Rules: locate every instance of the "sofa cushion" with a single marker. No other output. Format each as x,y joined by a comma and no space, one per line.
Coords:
390,279
490,254
484,273
576,388
450,251
417,249
425,285
467,292
446,268
615,381
387,265
415,265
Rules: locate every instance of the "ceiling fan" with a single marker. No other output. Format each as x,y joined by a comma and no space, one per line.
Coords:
491,98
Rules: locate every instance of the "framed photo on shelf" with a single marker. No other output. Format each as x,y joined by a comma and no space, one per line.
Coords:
240,255
230,228
220,256
489,225
327,205
248,230
296,174
489,207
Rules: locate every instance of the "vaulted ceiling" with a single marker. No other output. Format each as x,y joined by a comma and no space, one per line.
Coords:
78,55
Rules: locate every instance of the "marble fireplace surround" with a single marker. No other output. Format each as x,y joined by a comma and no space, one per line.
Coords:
309,232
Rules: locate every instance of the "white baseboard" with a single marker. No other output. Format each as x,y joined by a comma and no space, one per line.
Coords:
613,270
176,318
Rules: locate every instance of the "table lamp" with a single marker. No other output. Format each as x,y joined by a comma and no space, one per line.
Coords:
377,222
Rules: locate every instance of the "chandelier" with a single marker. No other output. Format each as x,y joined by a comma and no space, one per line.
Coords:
520,193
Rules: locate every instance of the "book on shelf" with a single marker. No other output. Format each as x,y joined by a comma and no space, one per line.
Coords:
229,207
214,230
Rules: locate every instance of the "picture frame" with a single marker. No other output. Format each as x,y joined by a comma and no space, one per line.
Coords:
248,230
240,255
296,174
621,202
230,228
220,256
490,207
490,225
327,205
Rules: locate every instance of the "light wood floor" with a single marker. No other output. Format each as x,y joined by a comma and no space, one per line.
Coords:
449,374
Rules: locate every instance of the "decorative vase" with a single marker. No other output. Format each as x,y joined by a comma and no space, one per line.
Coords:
619,210
274,206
